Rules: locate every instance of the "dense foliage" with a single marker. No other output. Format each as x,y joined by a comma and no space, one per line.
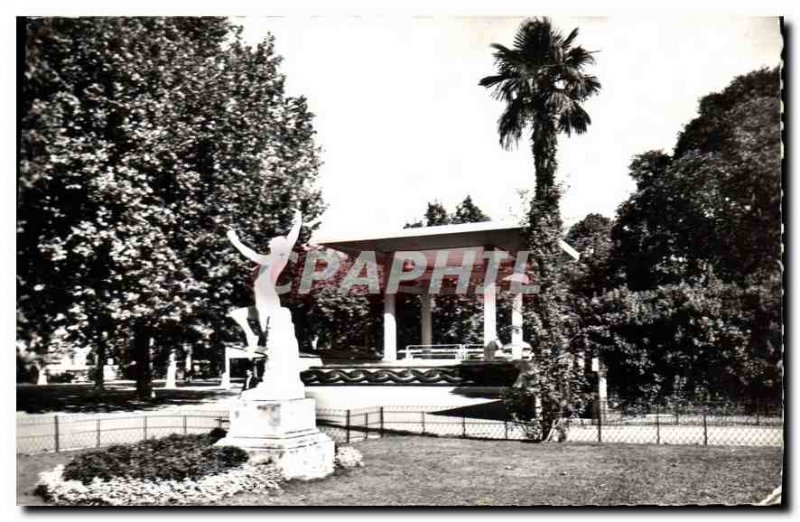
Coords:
684,300
327,318
176,457
142,140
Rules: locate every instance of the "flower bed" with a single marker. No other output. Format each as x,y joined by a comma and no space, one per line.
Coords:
125,491
186,469
176,457
176,470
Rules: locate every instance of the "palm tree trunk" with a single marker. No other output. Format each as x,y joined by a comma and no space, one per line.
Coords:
544,148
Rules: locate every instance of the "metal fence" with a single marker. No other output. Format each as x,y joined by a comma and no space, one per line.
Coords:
709,425
70,432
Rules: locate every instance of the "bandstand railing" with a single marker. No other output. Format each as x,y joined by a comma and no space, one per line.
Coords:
452,352
455,352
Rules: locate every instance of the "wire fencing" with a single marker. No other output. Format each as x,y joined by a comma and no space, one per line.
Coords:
707,424
71,432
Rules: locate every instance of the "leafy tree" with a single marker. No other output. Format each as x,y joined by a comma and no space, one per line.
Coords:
436,215
327,317
695,268
587,279
468,212
142,139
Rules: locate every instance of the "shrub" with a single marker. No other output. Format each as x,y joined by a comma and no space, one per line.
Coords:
348,457
176,457
61,378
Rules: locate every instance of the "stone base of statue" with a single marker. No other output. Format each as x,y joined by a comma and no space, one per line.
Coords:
283,431
274,420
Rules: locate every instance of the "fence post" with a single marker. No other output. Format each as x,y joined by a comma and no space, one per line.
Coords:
185,426
381,431
464,424
366,425
599,422
98,432
56,429
423,421
144,426
658,426
705,428
758,418
347,427
505,427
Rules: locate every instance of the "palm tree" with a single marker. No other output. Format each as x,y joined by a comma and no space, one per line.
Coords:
543,83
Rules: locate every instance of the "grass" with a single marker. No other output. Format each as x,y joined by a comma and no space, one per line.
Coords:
450,472
28,469
442,472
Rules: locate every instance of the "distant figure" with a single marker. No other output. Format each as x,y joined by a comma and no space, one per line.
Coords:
250,381
269,269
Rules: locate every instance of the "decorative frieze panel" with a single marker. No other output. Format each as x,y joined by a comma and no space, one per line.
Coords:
483,374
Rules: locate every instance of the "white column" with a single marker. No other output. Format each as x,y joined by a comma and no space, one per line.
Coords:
516,327
427,325
489,312
389,328
41,380
602,387
602,394
172,371
226,376
187,362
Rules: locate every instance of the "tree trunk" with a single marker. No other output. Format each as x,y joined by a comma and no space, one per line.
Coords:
544,148
141,346
99,365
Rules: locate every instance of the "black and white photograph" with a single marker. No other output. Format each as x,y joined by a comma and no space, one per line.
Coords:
400,260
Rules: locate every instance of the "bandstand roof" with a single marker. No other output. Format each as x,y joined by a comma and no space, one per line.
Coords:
486,235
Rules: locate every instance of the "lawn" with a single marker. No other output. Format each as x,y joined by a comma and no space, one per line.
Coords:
448,472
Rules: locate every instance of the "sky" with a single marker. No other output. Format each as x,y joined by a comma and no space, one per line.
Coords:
402,121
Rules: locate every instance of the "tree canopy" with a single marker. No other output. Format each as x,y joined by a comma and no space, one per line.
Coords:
142,140
694,270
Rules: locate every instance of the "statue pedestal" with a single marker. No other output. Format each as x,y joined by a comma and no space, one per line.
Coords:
284,431
274,420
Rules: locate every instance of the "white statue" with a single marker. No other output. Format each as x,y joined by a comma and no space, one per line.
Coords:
269,269
274,420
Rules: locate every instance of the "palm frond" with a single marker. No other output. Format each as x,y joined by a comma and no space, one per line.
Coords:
541,78
573,119
570,37
491,81
511,123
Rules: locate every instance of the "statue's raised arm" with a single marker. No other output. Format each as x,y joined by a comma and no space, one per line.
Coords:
246,251
294,233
